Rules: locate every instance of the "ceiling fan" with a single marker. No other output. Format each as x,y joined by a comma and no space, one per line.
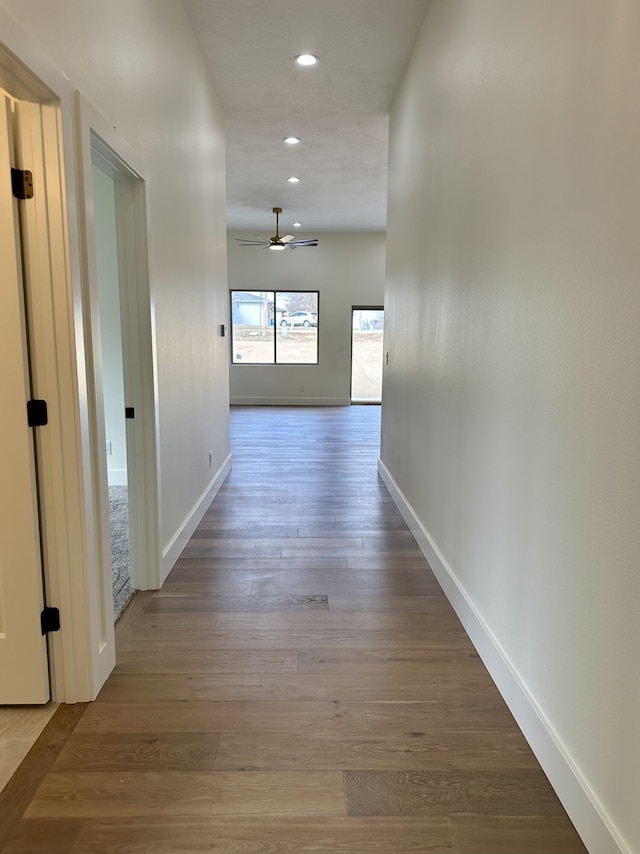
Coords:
276,242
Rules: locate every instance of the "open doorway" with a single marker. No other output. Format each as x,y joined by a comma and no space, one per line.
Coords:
111,345
123,389
367,334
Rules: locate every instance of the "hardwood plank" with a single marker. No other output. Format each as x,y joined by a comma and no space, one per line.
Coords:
478,834
363,526
242,543
324,621
85,794
419,792
441,751
208,524
214,604
205,576
304,546
398,560
440,715
406,604
252,561
19,791
268,531
329,582
225,716
150,639
408,683
274,514
269,835
239,549
44,836
223,661
148,751
175,621
432,663
204,588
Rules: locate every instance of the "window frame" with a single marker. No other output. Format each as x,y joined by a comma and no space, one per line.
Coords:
275,362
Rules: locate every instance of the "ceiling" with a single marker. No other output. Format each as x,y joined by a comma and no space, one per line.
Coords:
339,108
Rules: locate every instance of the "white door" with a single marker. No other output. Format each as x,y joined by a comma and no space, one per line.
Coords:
24,674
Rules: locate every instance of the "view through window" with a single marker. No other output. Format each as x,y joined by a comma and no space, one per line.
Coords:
274,327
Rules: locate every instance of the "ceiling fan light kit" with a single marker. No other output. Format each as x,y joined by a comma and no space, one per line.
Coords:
277,242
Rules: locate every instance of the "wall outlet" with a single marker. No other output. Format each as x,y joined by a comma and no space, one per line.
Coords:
301,388
109,451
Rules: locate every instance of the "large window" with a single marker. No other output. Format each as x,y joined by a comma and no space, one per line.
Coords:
274,327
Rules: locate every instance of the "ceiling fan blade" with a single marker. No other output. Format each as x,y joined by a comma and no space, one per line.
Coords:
286,238
312,241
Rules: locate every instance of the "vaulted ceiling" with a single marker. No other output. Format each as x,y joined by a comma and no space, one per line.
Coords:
339,109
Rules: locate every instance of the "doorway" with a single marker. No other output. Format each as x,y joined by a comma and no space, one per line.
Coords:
123,399
108,264
367,342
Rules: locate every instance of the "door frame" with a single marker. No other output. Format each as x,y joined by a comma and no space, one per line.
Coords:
96,139
81,653
360,402
67,511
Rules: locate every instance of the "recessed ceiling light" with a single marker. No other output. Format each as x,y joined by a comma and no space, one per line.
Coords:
293,179
307,59
297,225
292,140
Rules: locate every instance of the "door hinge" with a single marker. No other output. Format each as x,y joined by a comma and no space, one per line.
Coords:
37,415
22,183
50,620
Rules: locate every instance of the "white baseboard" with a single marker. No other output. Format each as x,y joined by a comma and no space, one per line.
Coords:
589,817
182,536
290,401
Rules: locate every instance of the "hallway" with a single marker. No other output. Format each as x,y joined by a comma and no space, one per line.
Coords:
299,684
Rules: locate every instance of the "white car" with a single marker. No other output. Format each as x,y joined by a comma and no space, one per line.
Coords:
300,318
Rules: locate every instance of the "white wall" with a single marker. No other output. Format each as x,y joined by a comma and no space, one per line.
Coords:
511,403
104,206
139,65
347,269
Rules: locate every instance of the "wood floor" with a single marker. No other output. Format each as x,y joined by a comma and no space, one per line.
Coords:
300,684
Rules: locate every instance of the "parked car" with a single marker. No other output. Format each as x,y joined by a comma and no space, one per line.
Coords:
300,318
